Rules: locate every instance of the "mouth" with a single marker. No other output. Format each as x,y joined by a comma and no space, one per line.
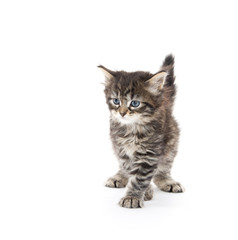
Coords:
126,119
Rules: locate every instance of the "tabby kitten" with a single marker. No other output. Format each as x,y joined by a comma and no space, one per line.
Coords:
143,131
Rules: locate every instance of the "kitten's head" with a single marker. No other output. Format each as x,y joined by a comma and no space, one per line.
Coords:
134,97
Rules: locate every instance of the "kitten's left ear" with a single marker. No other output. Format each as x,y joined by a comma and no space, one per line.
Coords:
156,82
107,73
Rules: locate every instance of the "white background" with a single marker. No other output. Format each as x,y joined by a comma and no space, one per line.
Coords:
55,152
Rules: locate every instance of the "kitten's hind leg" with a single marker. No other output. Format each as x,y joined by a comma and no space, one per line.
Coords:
165,183
119,180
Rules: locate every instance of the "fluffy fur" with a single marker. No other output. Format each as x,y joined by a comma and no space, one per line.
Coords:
144,138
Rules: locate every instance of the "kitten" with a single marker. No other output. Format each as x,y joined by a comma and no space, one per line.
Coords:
143,131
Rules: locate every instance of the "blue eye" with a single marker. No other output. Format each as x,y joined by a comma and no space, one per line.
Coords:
135,103
116,101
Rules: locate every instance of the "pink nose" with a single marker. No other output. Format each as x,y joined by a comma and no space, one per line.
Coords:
123,114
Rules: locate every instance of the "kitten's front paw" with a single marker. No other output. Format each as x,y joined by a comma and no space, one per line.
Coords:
131,202
173,187
116,182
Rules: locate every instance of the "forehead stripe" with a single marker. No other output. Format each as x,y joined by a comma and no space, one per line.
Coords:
127,91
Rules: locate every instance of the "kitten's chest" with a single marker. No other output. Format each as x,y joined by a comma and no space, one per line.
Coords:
128,140
128,146
130,149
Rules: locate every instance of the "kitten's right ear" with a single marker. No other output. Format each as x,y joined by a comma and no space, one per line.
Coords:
107,73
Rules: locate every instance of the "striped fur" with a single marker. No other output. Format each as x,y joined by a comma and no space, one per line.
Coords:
145,139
